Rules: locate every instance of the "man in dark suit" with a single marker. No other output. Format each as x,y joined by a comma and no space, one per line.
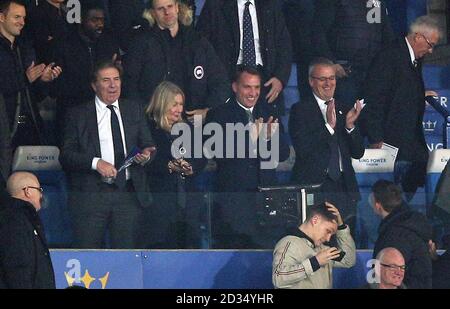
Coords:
325,140
97,138
395,98
223,21
238,176
350,33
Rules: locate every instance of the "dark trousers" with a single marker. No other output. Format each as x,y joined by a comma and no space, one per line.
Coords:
337,194
277,108
111,209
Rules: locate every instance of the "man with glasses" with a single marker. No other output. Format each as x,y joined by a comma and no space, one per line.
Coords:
395,97
389,270
403,229
325,140
24,257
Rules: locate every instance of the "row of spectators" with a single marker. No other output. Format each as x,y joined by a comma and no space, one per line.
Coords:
176,71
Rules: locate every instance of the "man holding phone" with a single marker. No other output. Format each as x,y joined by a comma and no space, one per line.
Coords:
303,261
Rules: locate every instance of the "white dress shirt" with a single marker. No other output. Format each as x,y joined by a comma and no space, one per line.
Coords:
105,133
252,9
411,51
323,109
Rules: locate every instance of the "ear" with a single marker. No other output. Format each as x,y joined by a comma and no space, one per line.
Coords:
315,220
310,80
234,86
94,87
2,17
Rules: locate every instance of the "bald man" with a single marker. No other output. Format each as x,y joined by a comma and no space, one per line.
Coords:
24,257
390,271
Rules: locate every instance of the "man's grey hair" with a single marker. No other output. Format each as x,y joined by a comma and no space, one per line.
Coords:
425,24
321,61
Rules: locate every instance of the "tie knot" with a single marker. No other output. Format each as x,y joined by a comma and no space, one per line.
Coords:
247,4
110,107
329,101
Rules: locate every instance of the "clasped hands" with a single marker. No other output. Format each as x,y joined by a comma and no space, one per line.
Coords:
180,166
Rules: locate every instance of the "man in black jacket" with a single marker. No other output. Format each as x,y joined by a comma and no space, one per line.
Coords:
395,98
403,229
24,257
222,22
239,175
325,140
21,76
98,136
77,53
172,51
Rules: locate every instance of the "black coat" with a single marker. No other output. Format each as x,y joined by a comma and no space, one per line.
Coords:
147,64
46,25
311,140
5,143
409,232
24,257
77,59
81,145
12,79
243,174
441,271
395,98
342,32
160,180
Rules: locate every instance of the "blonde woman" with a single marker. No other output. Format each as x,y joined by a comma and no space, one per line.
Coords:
169,178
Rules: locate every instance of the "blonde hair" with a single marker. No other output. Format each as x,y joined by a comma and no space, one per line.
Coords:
162,100
185,14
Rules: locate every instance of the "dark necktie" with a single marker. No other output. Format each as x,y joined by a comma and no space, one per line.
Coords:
119,155
248,42
334,170
250,117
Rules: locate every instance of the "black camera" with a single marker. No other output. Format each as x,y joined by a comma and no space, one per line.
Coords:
340,257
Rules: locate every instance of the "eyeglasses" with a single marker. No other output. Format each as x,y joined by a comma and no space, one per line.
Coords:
37,188
323,78
428,42
394,267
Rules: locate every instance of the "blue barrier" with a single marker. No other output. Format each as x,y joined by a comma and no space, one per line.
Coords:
181,269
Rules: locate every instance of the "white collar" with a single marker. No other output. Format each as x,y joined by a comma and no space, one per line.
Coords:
242,2
245,108
319,100
102,105
411,51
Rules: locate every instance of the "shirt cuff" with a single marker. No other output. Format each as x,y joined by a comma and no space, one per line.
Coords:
350,130
94,163
330,129
314,263
342,227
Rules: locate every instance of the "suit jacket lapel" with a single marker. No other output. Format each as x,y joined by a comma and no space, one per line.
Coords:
230,11
260,13
91,116
124,113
